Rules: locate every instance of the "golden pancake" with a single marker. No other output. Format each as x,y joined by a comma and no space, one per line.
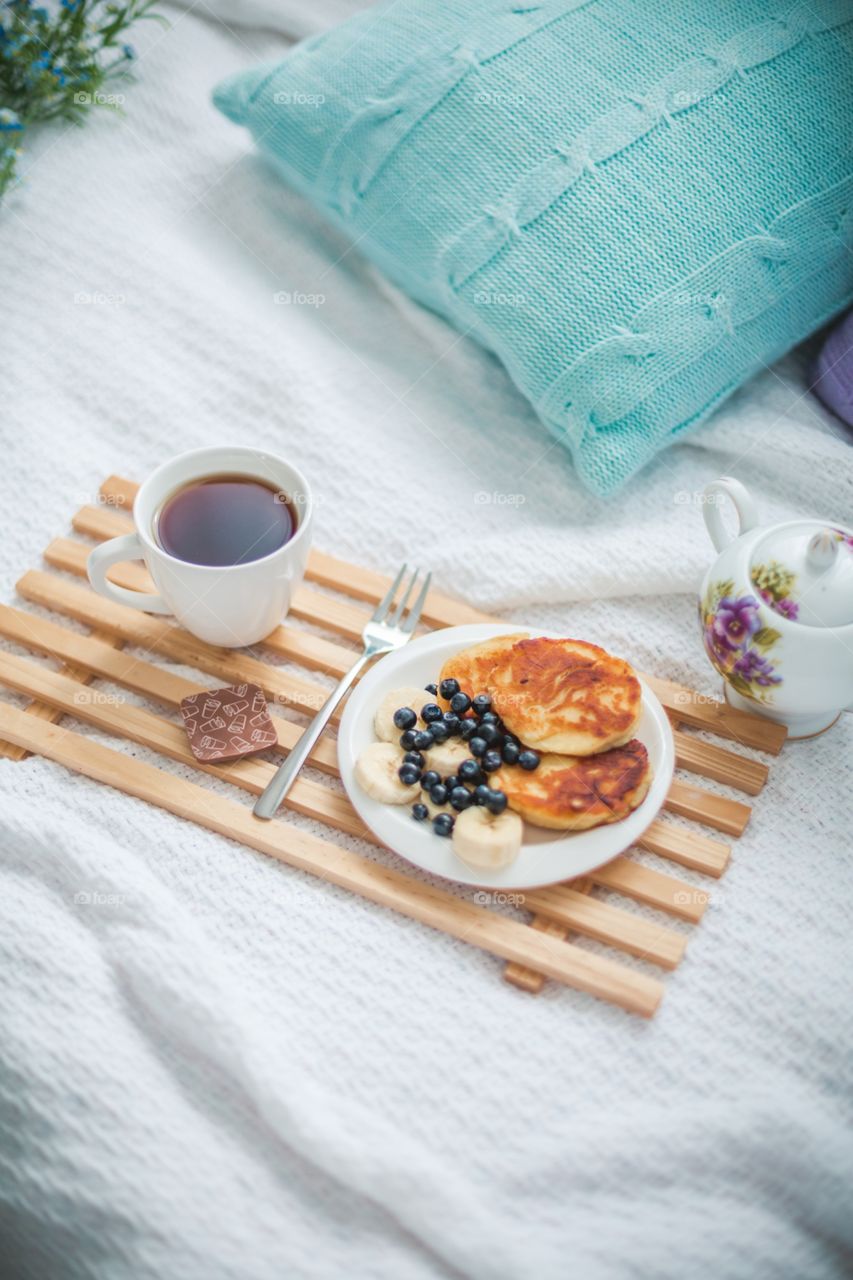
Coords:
565,696
471,666
574,793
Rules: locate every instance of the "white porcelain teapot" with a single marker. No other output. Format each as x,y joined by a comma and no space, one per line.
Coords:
776,611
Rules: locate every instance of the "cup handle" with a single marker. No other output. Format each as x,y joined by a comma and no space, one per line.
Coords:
744,505
103,557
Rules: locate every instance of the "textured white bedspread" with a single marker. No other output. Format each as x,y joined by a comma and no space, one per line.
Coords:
217,1067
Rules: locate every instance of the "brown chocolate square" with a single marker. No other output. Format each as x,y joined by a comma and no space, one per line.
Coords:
225,724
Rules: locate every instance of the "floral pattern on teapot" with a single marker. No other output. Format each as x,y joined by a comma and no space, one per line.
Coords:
736,641
775,585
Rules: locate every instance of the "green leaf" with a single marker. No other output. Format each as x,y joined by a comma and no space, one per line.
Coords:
742,686
766,638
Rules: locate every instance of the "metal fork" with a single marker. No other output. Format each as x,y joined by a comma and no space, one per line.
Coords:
378,637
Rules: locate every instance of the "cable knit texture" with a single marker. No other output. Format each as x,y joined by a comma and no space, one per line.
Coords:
635,206
214,1067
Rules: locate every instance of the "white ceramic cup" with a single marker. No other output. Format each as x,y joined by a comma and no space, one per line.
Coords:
230,605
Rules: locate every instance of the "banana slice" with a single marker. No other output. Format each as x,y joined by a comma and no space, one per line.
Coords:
484,839
446,757
383,722
376,774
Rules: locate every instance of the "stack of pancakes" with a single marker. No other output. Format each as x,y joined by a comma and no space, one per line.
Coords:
577,705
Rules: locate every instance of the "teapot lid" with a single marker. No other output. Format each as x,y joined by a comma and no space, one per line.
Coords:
804,572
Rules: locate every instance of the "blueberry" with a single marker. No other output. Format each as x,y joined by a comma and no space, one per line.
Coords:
431,711
407,739
481,704
419,812
528,759
510,752
482,793
439,731
490,733
442,824
405,718
460,702
461,798
408,774
496,802
448,688
438,793
430,779
414,757
451,781
491,761
467,729
490,717
477,746
452,722
423,739
470,771
431,688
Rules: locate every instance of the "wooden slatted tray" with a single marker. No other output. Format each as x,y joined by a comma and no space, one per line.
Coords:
532,954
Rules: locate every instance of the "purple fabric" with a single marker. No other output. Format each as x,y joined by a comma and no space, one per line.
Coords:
834,371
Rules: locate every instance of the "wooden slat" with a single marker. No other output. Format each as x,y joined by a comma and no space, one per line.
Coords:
460,918
728,816
303,647
330,612
97,658
69,697
328,571
8,751
654,888
688,707
159,636
711,761
700,757
557,912
689,848
43,636
518,975
596,919
364,584
581,913
167,688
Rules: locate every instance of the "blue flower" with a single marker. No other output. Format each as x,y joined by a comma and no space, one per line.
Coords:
9,122
41,15
70,5
11,47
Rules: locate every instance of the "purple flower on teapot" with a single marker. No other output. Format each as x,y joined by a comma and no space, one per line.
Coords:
756,669
735,623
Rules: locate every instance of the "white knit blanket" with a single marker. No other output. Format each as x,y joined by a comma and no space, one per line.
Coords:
213,1066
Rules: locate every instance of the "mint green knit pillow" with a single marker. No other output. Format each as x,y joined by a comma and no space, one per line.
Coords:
635,203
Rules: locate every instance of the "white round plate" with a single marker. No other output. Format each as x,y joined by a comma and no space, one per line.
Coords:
546,857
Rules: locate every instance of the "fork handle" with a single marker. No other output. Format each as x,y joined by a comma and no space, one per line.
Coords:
282,780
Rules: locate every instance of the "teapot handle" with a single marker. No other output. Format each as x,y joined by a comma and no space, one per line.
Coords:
743,503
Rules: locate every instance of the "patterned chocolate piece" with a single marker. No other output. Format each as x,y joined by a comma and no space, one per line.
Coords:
224,724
